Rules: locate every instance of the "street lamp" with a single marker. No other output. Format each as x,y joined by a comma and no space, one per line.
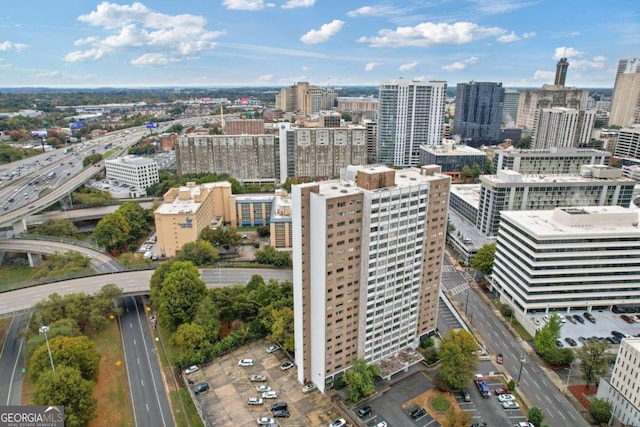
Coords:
466,304
44,330
566,386
522,362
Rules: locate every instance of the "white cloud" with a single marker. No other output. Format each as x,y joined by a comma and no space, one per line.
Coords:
460,65
409,66
566,52
493,7
6,46
429,34
292,4
543,75
152,60
370,66
265,78
508,38
373,11
323,34
246,4
156,38
529,35
578,60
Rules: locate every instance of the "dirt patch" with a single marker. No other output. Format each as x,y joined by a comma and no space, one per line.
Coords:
424,400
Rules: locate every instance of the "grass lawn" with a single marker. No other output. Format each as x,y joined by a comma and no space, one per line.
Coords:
11,274
111,388
4,329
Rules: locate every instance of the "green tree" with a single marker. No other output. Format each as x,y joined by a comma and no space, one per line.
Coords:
208,317
476,170
545,339
67,387
60,328
559,356
112,231
593,360
459,359
457,419
535,416
523,143
56,227
360,379
91,159
200,252
282,327
466,172
263,231
157,279
483,261
189,336
136,219
182,290
76,352
226,237
271,256
488,167
601,411
58,264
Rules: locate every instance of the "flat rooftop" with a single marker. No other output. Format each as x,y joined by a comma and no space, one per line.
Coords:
470,193
583,221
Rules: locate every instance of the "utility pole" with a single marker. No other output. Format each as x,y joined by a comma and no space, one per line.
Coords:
44,330
522,362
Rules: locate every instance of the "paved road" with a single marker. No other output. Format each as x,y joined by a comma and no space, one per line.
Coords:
12,362
539,390
130,282
147,393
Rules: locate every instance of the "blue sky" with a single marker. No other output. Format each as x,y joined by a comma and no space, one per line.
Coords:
73,43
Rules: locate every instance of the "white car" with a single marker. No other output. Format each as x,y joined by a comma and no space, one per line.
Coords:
254,401
262,388
338,423
286,365
191,369
270,395
245,362
308,387
381,424
511,404
524,424
265,421
272,349
506,397
257,378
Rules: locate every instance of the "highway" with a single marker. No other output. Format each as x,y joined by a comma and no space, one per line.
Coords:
488,326
11,362
147,393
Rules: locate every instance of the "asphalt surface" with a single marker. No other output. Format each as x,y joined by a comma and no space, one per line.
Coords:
12,362
147,393
538,389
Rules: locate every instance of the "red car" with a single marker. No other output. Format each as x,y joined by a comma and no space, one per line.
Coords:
627,318
499,359
500,391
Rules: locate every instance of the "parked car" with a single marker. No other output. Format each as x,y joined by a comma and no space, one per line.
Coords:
265,421
627,318
338,423
499,359
281,414
589,317
559,343
272,349
614,340
579,319
582,339
381,424
479,425
570,318
418,413
364,411
201,388
287,365
510,404
245,362
191,369
506,397
546,317
619,334
465,395
263,388
254,401
524,424
257,378
308,387
279,406
500,391
571,342
270,395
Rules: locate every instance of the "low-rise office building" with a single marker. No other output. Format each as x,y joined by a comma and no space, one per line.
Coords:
452,157
136,172
573,258
551,161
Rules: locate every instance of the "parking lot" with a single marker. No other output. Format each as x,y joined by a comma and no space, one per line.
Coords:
225,403
605,323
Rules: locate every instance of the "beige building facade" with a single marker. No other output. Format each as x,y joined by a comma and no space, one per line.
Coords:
188,210
625,109
367,256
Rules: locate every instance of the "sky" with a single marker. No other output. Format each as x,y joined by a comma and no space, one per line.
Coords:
328,43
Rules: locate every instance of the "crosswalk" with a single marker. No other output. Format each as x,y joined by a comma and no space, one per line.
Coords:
460,288
448,269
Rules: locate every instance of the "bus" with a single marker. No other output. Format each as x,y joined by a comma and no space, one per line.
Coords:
51,175
68,150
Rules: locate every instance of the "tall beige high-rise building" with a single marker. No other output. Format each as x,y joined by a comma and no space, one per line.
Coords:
625,109
367,256
550,96
562,128
304,98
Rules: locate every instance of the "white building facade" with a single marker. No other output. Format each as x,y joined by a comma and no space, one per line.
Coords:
138,172
562,127
622,391
574,258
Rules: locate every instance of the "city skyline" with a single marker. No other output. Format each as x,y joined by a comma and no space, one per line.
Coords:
275,43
